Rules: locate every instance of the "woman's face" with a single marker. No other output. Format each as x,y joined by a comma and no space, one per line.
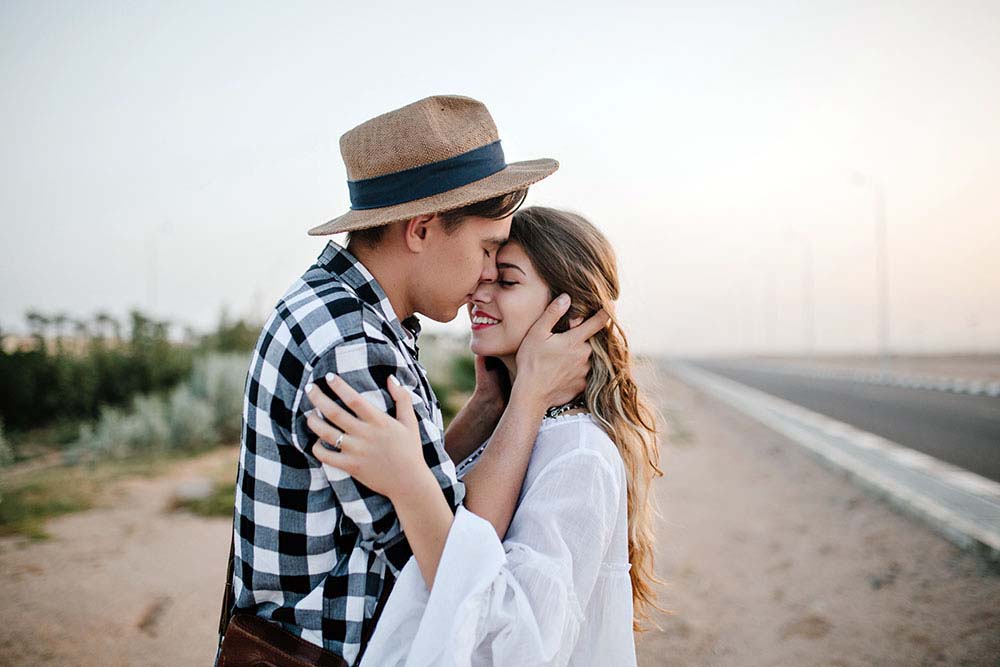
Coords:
502,311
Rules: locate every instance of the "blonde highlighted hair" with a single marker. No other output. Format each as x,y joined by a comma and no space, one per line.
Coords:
573,257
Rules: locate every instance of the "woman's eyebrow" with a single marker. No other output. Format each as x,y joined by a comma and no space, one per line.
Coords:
506,265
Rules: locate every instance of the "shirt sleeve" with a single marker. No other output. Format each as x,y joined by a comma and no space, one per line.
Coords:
517,603
366,364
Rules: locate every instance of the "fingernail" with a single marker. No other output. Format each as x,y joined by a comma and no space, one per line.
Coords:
392,379
310,387
330,377
563,299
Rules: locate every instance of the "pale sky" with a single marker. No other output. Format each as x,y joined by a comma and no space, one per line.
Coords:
170,156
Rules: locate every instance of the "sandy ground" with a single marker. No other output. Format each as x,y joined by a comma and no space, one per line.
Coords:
772,559
769,559
132,585
983,367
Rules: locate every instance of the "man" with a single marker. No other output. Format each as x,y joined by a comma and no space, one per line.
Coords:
431,201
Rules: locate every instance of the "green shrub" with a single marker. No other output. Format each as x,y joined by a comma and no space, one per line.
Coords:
204,411
219,379
118,434
6,453
73,368
463,373
191,421
151,427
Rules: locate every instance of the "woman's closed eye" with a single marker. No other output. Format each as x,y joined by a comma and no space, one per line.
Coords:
506,283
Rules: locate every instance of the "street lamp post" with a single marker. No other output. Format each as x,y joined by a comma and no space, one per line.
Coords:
808,299
882,264
809,304
881,269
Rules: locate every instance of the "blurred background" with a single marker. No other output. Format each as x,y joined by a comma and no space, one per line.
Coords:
794,190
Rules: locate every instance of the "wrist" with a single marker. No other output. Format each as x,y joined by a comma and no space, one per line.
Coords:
487,402
527,399
419,487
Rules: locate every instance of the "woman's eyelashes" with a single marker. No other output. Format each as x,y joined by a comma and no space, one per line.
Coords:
506,283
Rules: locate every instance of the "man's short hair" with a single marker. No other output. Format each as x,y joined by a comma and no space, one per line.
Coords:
496,208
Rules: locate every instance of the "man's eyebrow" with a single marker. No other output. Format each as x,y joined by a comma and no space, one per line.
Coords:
496,241
506,265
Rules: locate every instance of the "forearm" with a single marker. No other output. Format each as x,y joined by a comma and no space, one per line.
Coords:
492,487
426,518
471,427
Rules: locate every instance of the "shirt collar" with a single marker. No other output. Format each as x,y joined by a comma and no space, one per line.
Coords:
339,262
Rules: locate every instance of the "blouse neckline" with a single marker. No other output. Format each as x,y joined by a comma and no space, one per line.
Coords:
552,421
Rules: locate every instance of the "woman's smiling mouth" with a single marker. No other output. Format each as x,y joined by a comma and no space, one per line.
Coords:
481,320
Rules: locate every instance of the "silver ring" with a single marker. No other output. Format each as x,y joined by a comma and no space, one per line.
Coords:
340,439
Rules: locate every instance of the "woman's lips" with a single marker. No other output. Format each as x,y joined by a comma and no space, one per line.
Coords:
476,326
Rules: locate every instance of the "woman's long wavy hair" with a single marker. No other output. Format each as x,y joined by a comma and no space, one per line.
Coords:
573,257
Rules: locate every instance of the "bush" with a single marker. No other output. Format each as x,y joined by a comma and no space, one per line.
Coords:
72,379
6,453
191,421
219,379
118,434
200,413
151,427
104,363
463,372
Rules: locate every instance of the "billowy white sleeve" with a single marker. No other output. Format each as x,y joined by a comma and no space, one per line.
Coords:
520,602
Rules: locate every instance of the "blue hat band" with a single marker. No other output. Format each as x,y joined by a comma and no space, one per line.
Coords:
426,180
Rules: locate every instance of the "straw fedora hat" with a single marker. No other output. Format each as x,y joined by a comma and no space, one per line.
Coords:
437,154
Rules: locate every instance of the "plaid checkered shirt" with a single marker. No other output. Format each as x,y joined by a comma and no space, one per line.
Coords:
314,547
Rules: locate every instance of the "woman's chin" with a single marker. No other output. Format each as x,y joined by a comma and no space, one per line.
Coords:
484,349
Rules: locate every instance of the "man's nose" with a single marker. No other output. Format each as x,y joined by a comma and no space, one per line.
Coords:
483,291
490,272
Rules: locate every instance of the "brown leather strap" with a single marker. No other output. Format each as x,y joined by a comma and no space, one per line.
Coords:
253,642
227,595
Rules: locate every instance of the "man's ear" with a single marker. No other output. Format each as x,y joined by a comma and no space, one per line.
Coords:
415,232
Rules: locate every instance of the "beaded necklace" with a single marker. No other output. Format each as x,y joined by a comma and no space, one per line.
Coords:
557,410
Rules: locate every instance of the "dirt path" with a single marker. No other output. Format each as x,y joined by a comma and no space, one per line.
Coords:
770,560
132,585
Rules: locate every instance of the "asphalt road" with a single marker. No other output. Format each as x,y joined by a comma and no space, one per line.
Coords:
962,430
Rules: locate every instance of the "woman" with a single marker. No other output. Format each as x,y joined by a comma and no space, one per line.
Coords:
573,576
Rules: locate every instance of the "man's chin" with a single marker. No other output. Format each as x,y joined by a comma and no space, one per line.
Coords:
444,316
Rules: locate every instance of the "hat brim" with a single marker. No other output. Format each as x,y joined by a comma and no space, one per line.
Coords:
515,176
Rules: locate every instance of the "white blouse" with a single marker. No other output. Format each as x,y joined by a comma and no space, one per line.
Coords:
555,592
